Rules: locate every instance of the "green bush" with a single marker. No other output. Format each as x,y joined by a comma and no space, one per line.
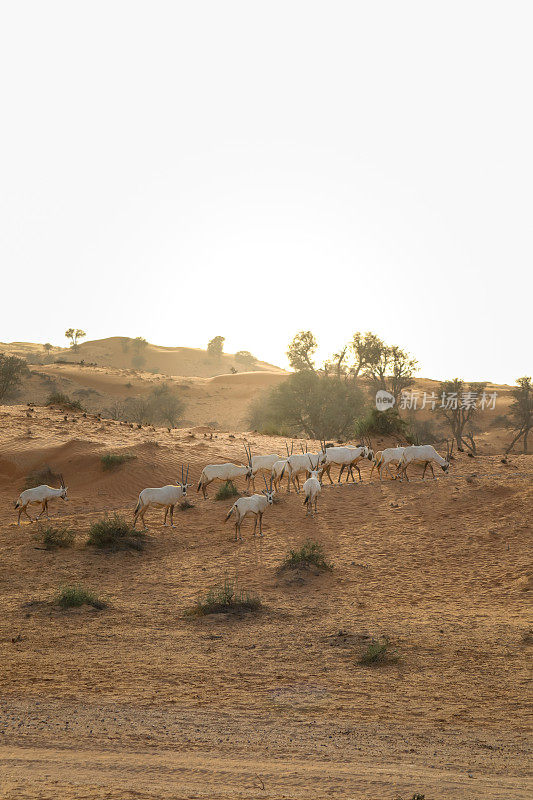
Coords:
306,403
114,533
224,598
310,554
380,423
379,652
55,536
76,596
63,400
111,460
227,491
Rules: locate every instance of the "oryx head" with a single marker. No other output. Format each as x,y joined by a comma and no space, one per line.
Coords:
268,491
183,483
315,470
64,489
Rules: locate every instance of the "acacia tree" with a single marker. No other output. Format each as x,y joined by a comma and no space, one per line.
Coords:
460,410
12,371
521,412
215,347
74,334
301,350
390,368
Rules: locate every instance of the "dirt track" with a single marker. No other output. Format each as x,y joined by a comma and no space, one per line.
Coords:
137,701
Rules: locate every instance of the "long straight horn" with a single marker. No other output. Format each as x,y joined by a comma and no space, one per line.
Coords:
266,484
287,449
182,473
62,480
187,476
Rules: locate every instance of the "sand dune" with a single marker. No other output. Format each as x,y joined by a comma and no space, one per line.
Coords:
139,701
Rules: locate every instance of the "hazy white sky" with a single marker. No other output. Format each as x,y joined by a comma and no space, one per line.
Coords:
182,170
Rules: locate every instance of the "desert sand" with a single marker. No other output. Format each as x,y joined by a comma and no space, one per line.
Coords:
139,701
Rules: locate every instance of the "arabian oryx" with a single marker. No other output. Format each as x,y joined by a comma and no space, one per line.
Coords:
299,464
260,464
422,454
256,505
312,488
224,472
391,455
164,497
40,494
346,457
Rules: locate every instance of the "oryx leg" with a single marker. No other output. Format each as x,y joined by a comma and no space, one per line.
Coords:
260,524
25,509
171,516
359,471
340,473
327,470
255,523
432,472
43,508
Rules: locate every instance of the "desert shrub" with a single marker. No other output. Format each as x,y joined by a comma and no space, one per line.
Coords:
380,423
226,597
379,651
42,476
185,505
310,554
317,406
63,400
76,596
54,536
115,533
226,491
12,371
111,460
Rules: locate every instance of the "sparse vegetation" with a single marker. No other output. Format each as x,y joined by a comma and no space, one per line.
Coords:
76,596
379,651
115,533
185,505
43,476
110,461
521,412
311,554
55,536
63,400
227,491
245,358
224,598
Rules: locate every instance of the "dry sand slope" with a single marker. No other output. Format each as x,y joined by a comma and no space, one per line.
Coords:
136,701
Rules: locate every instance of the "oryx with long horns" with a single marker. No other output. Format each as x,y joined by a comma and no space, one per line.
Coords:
40,494
163,497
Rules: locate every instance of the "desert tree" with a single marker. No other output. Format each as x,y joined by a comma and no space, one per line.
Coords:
47,346
391,369
366,351
460,409
74,334
215,346
12,371
521,412
245,358
316,405
301,350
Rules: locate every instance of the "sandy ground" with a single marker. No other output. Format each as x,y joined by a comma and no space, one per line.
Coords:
139,701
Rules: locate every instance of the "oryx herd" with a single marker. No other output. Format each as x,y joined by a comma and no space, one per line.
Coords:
312,467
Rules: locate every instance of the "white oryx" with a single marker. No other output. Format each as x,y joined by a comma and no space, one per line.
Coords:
312,488
391,455
223,472
164,497
300,464
346,457
256,505
421,454
260,464
40,494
